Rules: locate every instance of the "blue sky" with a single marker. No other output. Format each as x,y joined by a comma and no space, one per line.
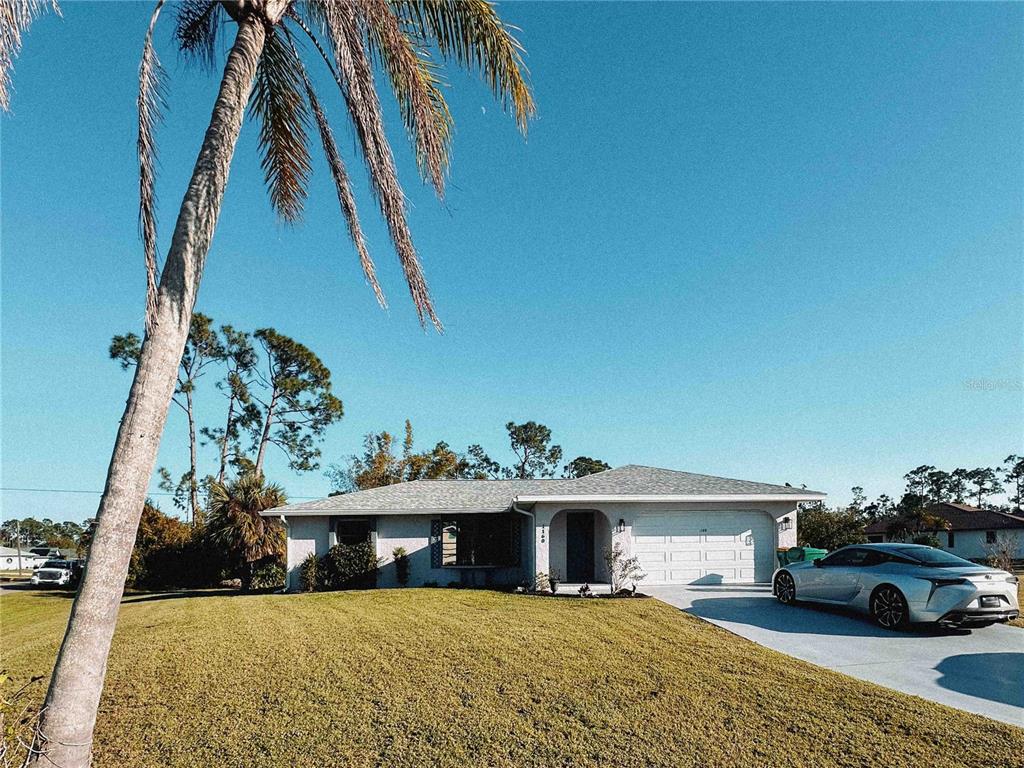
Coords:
776,242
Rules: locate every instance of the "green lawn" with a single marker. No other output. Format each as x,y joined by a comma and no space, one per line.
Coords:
465,678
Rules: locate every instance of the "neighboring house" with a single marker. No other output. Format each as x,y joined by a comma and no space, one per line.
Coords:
685,528
971,530
56,553
9,559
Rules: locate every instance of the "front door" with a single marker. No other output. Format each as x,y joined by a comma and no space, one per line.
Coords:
579,547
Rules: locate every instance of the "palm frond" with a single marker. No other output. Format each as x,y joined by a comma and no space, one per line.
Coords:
355,74
16,16
416,86
198,22
280,106
344,188
472,33
150,104
235,519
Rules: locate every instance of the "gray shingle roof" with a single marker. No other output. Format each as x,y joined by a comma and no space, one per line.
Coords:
497,495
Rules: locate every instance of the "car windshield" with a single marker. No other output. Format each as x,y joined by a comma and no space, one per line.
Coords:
936,558
55,564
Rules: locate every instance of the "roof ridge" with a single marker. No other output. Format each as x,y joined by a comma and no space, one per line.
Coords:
696,474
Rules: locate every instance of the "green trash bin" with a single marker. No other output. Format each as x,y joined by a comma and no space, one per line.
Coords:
799,555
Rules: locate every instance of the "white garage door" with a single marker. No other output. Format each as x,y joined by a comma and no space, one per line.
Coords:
705,547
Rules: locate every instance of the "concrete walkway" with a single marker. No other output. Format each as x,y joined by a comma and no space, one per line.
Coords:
980,671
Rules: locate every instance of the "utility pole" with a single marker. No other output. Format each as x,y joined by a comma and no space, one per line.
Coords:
17,538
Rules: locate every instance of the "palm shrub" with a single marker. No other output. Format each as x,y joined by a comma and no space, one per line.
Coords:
236,524
401,558
309,573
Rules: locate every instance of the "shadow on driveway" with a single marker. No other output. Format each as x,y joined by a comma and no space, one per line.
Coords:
993,676
802,619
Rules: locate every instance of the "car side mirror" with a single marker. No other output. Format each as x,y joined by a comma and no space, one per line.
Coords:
817,563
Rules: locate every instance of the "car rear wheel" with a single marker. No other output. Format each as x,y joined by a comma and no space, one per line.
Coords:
785,589
889,608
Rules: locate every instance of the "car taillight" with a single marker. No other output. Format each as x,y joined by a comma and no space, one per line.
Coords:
945,582
1013,579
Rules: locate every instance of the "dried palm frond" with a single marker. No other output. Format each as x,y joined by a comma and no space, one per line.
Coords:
415,83
344,188
150,104
15,18
472,33
355,73
280,106
196,31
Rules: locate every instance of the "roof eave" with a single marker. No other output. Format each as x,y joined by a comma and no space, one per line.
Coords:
671,498
298,511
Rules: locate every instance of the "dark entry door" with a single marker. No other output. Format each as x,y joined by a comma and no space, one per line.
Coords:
579,547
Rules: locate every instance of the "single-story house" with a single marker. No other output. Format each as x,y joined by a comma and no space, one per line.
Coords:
9,559
972,530
685,528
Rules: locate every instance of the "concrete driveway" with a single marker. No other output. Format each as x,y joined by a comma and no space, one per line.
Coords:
980,671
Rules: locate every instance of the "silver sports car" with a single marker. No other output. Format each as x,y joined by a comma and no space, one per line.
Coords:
899,584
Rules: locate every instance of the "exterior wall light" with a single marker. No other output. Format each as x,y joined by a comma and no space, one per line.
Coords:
621,527
785,524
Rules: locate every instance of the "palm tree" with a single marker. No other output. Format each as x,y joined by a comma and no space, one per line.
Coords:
266,70
236,524
16,16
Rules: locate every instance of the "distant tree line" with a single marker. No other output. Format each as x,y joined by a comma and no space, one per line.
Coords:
381,464
913,517
29,532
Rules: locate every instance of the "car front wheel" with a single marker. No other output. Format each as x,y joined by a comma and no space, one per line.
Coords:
785,589
889,608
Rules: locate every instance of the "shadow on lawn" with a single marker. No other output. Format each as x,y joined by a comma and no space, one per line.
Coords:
133,597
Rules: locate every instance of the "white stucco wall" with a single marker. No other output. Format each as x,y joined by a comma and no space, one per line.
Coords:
549,526
305,535
312,534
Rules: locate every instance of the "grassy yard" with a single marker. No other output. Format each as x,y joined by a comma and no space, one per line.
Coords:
465,678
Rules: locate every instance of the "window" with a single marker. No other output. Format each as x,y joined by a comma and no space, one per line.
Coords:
352,530
876,538
852,556
949,540
873,557
990,537
480,540
934,558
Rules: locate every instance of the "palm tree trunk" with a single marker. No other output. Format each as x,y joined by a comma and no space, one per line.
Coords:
69,715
